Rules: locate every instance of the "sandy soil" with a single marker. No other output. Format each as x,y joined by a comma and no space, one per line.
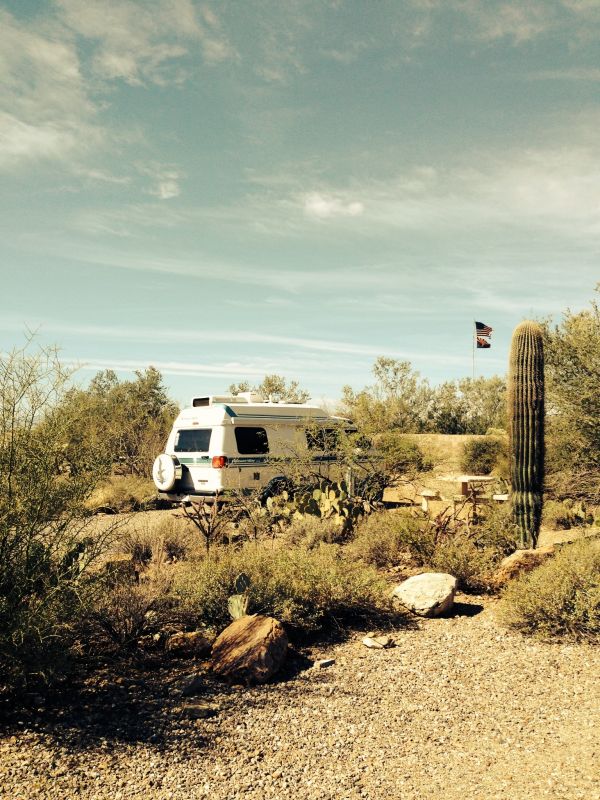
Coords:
459,708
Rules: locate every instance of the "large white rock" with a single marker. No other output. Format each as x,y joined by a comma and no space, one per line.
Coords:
427,595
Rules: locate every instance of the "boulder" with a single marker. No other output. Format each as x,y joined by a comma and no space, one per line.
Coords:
521,561
378,642
194,643
428,595
250,650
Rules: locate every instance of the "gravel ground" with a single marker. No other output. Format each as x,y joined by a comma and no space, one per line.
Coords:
459,708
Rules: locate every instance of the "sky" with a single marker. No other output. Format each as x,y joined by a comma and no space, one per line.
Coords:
234,188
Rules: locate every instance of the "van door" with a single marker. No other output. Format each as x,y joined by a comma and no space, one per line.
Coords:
192,447
250,467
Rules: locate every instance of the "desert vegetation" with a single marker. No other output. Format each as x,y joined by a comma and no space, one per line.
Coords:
89,568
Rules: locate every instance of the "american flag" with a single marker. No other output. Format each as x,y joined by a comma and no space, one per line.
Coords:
482,343
482,329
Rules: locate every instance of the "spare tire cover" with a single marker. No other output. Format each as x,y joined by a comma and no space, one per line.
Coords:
166,471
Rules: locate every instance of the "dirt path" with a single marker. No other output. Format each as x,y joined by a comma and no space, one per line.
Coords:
458,709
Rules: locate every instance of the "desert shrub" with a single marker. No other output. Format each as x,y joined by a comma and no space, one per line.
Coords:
496,529
118,615
471,564
150,535
561,598
139,549
566,514
303,588
402,455
481,455
389,538
126,421
123,493
386,537
310,531
45,552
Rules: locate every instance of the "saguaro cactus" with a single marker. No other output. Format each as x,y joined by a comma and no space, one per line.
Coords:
526,429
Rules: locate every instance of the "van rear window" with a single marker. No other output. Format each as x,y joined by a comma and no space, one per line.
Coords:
196,440
327,439
251,441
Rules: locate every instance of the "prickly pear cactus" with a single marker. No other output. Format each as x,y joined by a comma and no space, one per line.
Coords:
237,605
526,429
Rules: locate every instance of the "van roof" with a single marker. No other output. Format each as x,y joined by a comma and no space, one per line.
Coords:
217,411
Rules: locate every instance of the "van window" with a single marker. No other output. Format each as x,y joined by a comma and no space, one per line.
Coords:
326,439
251,441
196,440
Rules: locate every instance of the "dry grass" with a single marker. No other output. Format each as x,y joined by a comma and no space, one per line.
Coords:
559,599
122,493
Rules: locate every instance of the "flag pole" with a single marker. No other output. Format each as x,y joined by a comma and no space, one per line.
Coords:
473,337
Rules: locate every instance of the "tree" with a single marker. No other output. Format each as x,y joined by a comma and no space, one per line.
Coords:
448,409
572,354
126,421
44,553
275,387
484,403
398,400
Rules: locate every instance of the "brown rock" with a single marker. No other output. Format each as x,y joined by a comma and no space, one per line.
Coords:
194,643
250,650
521,561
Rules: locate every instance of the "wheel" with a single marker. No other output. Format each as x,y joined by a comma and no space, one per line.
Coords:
166,471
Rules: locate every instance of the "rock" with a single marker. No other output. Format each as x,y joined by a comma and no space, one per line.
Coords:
521,561
378,642
194,643
250,650
193,685
199,711
428,595
323,663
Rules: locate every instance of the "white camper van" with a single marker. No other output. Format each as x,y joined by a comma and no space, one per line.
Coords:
240,442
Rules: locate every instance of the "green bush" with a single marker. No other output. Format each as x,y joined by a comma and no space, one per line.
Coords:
561,598
310,531
480,456
45,548
471,554
566,514
385,538
303,588
471,564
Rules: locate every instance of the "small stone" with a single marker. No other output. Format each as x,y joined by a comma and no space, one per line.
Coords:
369,641
192,686
521,561
199,711
194,643
323,663
378,642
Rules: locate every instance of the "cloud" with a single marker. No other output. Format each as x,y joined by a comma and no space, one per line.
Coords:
517,22
183,336
50,106
322,206
591,74
191,369
46,111
21,140
143,42
165,180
